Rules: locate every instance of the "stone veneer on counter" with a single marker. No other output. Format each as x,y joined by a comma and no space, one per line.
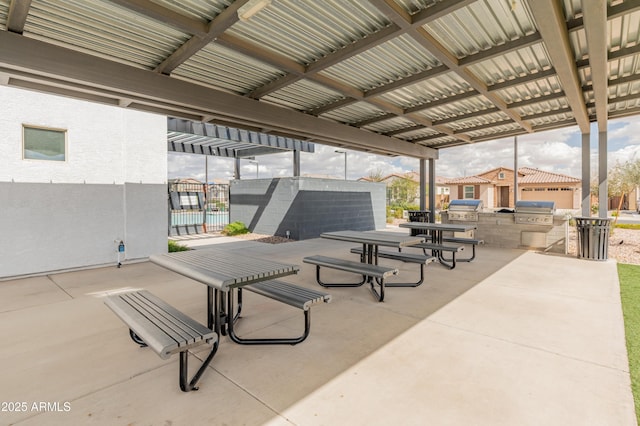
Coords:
501,230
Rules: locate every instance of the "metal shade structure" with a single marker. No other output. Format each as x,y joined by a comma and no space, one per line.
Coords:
392,77
222,141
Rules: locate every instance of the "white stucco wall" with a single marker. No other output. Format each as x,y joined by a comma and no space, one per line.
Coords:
112,185
105,144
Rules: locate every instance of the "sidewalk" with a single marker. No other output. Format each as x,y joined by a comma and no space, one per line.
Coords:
512,338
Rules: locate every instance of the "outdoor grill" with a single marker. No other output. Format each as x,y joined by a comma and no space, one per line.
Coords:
464,210
534,212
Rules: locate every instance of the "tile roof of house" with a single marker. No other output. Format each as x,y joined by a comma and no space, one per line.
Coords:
528,175
476,180
540,176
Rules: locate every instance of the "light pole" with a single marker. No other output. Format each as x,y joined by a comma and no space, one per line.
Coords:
257,167
345,161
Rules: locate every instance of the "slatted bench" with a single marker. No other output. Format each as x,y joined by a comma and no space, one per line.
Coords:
420,259
155,324
290,294
368,272
473,242
440,248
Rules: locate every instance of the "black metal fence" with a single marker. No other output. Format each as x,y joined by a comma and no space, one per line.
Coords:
196,208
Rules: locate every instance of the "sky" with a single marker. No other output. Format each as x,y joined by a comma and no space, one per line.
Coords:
558,151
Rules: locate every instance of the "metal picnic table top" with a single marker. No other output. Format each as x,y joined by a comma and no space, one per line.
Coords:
222,270
387,239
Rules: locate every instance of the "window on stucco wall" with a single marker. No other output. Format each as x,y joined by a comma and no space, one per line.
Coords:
39,143
469,191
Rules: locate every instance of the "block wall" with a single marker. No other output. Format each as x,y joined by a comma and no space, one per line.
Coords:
306,207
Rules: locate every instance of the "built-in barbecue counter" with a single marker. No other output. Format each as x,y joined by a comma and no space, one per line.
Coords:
531,225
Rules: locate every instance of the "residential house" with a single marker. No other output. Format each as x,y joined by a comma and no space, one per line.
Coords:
495,187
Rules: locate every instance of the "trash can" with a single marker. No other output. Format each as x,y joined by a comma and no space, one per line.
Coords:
593,237
418,216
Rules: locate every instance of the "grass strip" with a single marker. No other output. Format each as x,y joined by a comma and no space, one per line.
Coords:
629,276
628,225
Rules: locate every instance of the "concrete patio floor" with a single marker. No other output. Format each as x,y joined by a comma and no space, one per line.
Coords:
513,338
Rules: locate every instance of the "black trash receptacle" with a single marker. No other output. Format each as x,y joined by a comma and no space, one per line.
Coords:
593,237
418,216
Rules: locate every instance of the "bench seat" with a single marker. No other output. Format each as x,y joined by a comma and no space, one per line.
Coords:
290,294
369,272
401,256
420,259
350,266
155,324
440,247
463,240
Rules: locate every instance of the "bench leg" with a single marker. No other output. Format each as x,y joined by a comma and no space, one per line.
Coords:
442,260
416,284
379,295
187,385
468,259
137,339
323,284
215,302
271,341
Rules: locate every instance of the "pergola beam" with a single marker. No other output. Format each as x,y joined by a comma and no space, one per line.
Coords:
551,24
17,18
595,23
216,27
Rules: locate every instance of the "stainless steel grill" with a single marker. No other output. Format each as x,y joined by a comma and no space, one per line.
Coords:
535,212
464,210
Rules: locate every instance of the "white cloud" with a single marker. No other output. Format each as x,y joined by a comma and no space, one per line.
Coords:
628,153
628,132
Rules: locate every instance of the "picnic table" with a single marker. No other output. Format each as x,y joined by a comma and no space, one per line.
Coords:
437,231
368,266
222,272
155,324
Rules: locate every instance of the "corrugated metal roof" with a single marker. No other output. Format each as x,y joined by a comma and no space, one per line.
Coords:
103,29
302,95
433,72
480,26
390,125
512,65
388,62
354,113
299,30
211,66
202,10
4,12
